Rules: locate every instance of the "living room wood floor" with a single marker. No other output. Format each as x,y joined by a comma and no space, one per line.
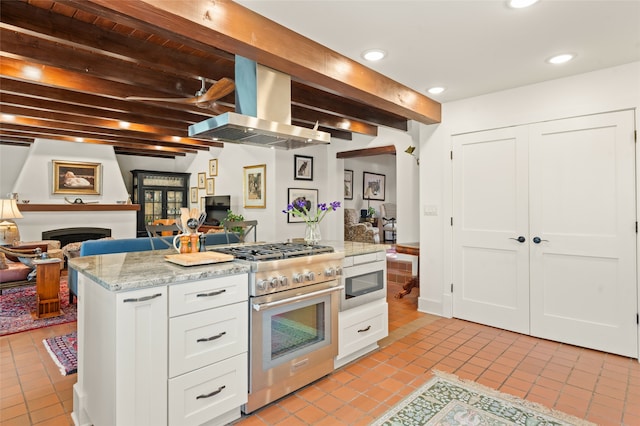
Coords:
596,386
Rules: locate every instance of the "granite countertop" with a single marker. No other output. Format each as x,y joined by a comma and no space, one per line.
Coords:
134,270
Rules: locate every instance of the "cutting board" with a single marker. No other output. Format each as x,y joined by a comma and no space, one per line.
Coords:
200,258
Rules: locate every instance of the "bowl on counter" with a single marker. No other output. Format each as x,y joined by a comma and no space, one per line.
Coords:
25,201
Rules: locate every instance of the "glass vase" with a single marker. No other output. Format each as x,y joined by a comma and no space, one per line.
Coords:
312,233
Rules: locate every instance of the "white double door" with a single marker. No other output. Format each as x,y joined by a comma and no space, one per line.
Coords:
544,231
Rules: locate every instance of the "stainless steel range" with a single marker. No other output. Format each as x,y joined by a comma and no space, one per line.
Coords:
294,300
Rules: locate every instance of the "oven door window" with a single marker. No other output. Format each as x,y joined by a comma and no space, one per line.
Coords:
295,329
363,284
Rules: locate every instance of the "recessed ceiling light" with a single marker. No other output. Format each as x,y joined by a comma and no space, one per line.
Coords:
561,59
436,90
374,54
519,4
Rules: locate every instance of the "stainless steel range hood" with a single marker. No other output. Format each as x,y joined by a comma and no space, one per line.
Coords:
263,112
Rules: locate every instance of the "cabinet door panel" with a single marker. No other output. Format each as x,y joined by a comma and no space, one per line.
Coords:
141,357
491,274
583,277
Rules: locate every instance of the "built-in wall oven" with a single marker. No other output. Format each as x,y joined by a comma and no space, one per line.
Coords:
364,279
293,320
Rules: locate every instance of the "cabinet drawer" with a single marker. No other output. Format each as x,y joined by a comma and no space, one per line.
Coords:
364,258
362,326
204,394
206,294
205,337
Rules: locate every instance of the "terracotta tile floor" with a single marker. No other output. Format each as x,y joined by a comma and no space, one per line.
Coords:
600,387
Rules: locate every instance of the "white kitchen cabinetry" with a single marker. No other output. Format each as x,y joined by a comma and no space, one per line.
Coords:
166,355
125,357
364,315
208,342
360,330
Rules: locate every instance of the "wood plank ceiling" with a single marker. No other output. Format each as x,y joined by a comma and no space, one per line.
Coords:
67,67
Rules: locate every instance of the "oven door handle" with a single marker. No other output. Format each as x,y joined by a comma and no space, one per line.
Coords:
258,307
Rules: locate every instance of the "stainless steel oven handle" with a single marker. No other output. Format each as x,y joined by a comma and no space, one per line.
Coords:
259,307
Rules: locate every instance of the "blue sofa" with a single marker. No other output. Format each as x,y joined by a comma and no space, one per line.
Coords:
126,245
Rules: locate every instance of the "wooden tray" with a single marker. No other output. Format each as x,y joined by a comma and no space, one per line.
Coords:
200,258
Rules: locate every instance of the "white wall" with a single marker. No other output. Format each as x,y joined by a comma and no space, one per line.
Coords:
591,93
28,172
380,164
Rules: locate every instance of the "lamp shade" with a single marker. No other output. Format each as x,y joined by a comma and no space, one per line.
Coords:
9,209
368,193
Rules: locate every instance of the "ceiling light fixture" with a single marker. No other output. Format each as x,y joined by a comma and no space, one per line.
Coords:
561,59
519,4
436,90
374,54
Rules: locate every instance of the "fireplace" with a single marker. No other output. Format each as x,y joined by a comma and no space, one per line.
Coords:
75,235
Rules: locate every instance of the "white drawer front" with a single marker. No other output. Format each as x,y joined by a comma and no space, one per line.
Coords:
364,258
204,394
206,337
362,326
206,294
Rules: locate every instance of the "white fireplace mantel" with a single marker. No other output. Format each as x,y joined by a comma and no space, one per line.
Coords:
120,218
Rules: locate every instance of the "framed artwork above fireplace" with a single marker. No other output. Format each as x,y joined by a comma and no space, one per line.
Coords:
71,177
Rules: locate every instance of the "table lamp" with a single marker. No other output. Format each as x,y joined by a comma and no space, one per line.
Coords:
368,193
8,229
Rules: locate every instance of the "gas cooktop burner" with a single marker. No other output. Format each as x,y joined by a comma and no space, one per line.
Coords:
261,252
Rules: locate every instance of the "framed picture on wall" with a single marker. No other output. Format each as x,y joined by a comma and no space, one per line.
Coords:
308,196
373,186
302,167
202,180
71,177
213,167
254,186
211,186
348,184
194,195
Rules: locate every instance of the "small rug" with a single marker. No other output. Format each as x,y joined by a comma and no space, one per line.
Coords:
17,303
64,352
448,400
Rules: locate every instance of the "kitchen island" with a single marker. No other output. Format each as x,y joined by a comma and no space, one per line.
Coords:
164,344
159,343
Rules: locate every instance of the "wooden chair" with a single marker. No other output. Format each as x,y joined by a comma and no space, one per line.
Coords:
161,231
241,229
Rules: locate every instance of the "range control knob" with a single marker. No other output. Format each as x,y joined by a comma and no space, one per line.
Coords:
284,281
338,270
329,272
273,282
310,276
262,285
297,278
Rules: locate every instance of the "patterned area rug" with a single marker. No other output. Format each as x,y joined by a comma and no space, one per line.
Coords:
64,351
448,400
17,303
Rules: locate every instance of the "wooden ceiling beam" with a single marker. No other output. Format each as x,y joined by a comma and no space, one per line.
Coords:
135,47
74,132
53,135
127,128
228,26
366,152
33,89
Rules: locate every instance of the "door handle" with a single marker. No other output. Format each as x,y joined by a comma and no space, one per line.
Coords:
520,239
538,240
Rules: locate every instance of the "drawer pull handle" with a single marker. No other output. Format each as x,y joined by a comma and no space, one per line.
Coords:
365,329
208,339
209,395
142,299
213,293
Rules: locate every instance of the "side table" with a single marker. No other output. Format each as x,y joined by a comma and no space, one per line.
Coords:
412,249
47,288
